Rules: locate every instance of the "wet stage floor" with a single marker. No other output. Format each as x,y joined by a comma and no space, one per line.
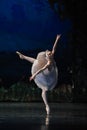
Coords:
32,116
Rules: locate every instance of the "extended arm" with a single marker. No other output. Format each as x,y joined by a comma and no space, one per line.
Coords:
43,68
30,59
55,44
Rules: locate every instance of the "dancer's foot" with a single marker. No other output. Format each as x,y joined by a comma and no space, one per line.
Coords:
20,55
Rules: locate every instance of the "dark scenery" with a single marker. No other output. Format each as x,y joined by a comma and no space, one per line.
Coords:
31,26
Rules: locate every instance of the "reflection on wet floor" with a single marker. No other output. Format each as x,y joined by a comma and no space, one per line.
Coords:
32,116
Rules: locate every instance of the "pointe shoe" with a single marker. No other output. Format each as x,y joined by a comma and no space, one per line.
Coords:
17,52
20,55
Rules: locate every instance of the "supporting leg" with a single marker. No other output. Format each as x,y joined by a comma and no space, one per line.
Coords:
45,101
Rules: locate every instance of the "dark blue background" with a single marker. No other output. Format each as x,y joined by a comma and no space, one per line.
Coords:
29,26
26,24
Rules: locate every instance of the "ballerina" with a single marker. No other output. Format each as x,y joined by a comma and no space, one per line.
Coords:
44,71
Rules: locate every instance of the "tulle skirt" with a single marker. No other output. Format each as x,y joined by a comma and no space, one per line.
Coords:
47,79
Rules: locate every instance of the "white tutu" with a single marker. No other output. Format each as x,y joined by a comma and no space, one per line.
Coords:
46,79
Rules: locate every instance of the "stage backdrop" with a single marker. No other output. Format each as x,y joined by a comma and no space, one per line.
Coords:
28,25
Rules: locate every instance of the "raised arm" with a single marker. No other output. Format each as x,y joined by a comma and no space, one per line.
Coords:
30,59
55,44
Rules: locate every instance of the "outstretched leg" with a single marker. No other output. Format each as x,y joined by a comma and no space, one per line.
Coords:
30,59
45,101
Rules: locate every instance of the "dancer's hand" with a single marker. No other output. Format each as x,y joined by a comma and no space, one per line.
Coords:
58,36
20,55
32,77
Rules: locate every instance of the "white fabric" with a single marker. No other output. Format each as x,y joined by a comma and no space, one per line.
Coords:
46,79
